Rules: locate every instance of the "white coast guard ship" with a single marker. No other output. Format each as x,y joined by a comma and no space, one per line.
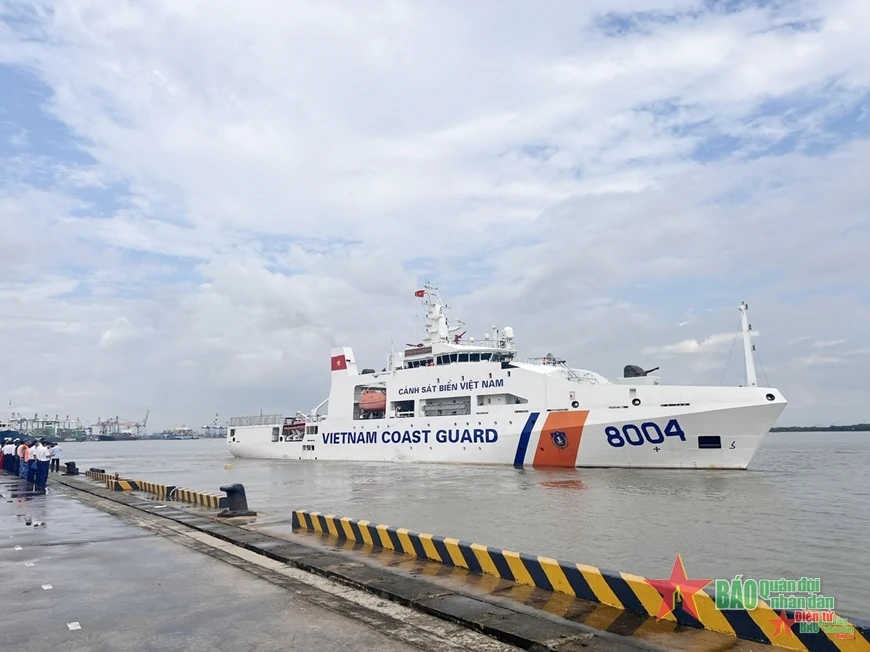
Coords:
456,400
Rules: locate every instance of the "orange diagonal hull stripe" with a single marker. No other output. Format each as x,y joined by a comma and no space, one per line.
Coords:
570,423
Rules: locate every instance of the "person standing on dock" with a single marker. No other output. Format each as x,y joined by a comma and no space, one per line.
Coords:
31,462
55,457
5,456
23,460
43,459
14,467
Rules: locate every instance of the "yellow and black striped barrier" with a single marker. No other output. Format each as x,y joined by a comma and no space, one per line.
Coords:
99,476
621,590
120,484
212,501
162,491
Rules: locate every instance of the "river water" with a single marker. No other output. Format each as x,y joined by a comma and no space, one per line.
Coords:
803,509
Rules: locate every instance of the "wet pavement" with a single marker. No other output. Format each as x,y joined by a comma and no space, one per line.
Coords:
83,579
443,580
804,491
414,609
115,581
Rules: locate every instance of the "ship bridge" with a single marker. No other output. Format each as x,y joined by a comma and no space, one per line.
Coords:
445,344
441,354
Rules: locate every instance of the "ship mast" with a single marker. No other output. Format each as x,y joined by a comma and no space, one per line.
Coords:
748,346
437,329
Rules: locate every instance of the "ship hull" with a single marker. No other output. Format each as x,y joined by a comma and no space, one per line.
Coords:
722,435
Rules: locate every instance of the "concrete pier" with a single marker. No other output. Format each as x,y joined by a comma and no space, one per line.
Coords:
90,573
83,579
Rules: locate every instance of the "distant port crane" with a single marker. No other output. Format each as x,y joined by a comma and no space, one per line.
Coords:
117,427
213,430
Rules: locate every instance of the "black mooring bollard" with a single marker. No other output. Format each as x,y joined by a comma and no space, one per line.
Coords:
71,468
237,501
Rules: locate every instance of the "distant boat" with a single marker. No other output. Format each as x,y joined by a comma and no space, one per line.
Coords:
124,435
8,431
181,432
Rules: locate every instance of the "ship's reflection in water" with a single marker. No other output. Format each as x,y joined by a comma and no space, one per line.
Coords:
575,485
800,511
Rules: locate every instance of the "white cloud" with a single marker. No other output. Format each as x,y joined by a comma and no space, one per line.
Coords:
262,182
120,331
716,342
816,359
827,343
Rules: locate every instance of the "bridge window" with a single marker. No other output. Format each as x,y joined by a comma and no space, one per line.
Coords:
485,356
463,357
475,357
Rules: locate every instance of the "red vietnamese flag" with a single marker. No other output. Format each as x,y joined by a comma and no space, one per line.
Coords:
420,293
339,362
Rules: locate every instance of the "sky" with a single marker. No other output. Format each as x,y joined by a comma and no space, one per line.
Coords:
198,199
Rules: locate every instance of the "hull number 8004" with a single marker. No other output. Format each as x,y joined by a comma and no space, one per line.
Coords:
647,432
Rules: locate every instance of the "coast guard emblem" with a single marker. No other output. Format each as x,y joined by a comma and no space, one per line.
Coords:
559,439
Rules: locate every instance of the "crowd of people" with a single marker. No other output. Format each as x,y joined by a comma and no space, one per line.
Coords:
32,461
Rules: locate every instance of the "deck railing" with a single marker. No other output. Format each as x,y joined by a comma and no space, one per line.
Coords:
258,420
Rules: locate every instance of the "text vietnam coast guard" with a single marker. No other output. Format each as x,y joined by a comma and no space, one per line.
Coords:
427,436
